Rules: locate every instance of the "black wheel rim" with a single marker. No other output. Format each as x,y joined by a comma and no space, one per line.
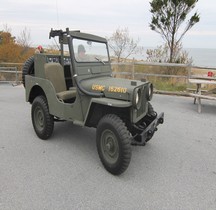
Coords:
39,118
109,146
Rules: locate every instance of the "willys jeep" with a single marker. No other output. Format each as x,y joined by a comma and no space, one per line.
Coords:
77,86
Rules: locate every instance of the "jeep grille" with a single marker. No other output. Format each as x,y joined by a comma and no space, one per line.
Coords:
140,112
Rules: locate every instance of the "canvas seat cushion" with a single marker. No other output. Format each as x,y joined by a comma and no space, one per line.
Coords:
65,95
54,72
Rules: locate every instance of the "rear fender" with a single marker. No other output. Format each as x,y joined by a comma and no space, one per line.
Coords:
37,86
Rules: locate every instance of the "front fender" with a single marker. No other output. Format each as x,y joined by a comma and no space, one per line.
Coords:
106,102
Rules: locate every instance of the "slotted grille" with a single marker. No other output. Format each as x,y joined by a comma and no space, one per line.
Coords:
143,108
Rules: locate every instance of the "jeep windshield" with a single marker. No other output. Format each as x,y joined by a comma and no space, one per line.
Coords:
90,51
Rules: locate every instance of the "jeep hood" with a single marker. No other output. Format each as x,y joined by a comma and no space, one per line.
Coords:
112,87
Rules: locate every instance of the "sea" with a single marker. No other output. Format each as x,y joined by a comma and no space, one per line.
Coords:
201,57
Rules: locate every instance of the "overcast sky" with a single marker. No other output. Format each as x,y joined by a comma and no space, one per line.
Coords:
101,18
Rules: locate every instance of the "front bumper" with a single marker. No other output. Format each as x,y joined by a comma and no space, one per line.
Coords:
148,132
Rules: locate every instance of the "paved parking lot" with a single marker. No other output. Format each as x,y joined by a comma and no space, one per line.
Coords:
176,170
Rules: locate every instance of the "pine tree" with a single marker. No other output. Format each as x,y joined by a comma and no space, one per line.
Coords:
168,16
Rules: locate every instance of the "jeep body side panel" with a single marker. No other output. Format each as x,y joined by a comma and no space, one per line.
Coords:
66,111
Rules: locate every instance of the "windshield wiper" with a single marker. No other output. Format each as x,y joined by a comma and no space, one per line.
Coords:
98,59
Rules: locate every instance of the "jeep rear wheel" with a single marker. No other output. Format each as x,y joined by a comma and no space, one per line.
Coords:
113,144
42,121
28,69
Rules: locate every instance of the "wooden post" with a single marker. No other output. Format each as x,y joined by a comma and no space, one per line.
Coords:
133,69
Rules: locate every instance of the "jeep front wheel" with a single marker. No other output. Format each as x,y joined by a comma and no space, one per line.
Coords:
42,121
113,144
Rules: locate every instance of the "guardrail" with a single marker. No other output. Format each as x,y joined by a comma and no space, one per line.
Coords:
10,73
133,72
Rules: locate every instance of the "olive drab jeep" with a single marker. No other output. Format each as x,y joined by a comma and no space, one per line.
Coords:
77,86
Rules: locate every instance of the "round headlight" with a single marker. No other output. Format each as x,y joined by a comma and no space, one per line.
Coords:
149,91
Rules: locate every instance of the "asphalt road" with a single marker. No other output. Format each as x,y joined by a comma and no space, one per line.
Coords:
176,170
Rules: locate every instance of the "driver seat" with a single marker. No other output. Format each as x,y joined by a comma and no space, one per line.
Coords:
55,73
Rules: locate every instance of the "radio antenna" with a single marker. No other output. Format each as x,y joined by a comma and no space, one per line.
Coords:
57,13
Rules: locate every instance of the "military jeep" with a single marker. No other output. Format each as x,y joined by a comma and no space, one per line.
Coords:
77,86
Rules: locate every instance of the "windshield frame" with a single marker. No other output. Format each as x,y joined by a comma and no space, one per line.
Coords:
93,51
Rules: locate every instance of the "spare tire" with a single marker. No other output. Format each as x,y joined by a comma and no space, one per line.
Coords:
28,68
